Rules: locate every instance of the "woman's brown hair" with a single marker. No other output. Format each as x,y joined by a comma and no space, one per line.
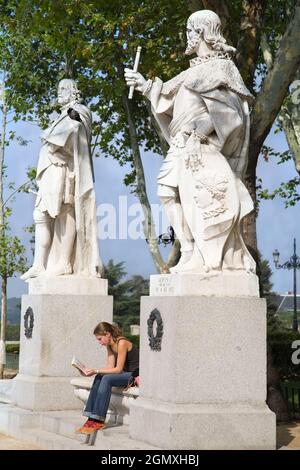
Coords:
104,327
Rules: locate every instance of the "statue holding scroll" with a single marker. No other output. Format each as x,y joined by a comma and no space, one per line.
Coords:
65,208
204,115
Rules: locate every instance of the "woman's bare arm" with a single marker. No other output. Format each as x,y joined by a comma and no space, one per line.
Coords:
122,352
111,368
110,363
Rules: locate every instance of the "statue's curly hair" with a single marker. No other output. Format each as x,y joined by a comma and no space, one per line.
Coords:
208,25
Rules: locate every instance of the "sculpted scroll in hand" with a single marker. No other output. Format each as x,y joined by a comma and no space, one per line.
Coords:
204,115
65,208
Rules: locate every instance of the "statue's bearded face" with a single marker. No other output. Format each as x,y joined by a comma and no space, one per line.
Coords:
193,40
65,93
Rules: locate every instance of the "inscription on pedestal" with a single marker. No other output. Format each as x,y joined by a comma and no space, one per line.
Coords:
38,286
164,285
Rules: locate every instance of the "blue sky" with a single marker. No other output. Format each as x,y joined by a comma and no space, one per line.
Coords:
276,225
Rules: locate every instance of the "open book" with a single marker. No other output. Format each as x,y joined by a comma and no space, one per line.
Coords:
78,365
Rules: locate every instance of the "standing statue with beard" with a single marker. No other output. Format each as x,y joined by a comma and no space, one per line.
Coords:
204,115
65,208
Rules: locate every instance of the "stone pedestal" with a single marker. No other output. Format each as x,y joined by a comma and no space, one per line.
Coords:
206,387
229,284
57,322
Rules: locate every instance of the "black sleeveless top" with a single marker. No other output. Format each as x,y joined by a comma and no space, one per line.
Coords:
132,358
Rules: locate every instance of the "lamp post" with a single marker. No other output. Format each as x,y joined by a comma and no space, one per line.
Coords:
292,263
167,238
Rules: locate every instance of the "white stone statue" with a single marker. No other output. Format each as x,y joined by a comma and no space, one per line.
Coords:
204,115
65,208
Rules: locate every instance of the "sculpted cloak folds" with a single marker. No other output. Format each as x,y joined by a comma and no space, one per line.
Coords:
208,172
65,178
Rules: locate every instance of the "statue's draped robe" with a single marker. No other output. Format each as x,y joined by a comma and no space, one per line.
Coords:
214,198
65,177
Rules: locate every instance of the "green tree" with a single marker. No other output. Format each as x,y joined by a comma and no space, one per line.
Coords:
279,341
12,252
266,291
93,41
114,273
12,260
250,26
127,294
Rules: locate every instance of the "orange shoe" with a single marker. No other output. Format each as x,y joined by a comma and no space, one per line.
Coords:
93,427
86,426
98,425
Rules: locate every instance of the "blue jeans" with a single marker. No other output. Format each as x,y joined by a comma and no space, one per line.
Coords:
99,397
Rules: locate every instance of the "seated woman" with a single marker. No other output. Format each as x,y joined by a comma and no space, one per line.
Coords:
122,361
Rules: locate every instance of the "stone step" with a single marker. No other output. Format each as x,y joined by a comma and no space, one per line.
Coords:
113,438
56,430
65,423
51,441
116,437
62,423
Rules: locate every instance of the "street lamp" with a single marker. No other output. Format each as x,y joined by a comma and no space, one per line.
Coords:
167,238
292,263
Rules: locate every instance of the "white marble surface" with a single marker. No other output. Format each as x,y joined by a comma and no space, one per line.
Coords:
119,403
203,114
6,390
225,284
203,426
44,393
54,430
65,208
63,327
67,285
211,369
213,349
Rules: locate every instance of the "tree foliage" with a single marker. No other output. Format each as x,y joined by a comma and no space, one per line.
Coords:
280,338
93,42
127,294
12,254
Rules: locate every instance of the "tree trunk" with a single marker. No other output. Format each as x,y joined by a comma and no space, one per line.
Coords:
3,325
141,191
267,106
274,88
174,255
2,153
2,234
289,116
162,141
290,121
249,222
195,5
249,39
